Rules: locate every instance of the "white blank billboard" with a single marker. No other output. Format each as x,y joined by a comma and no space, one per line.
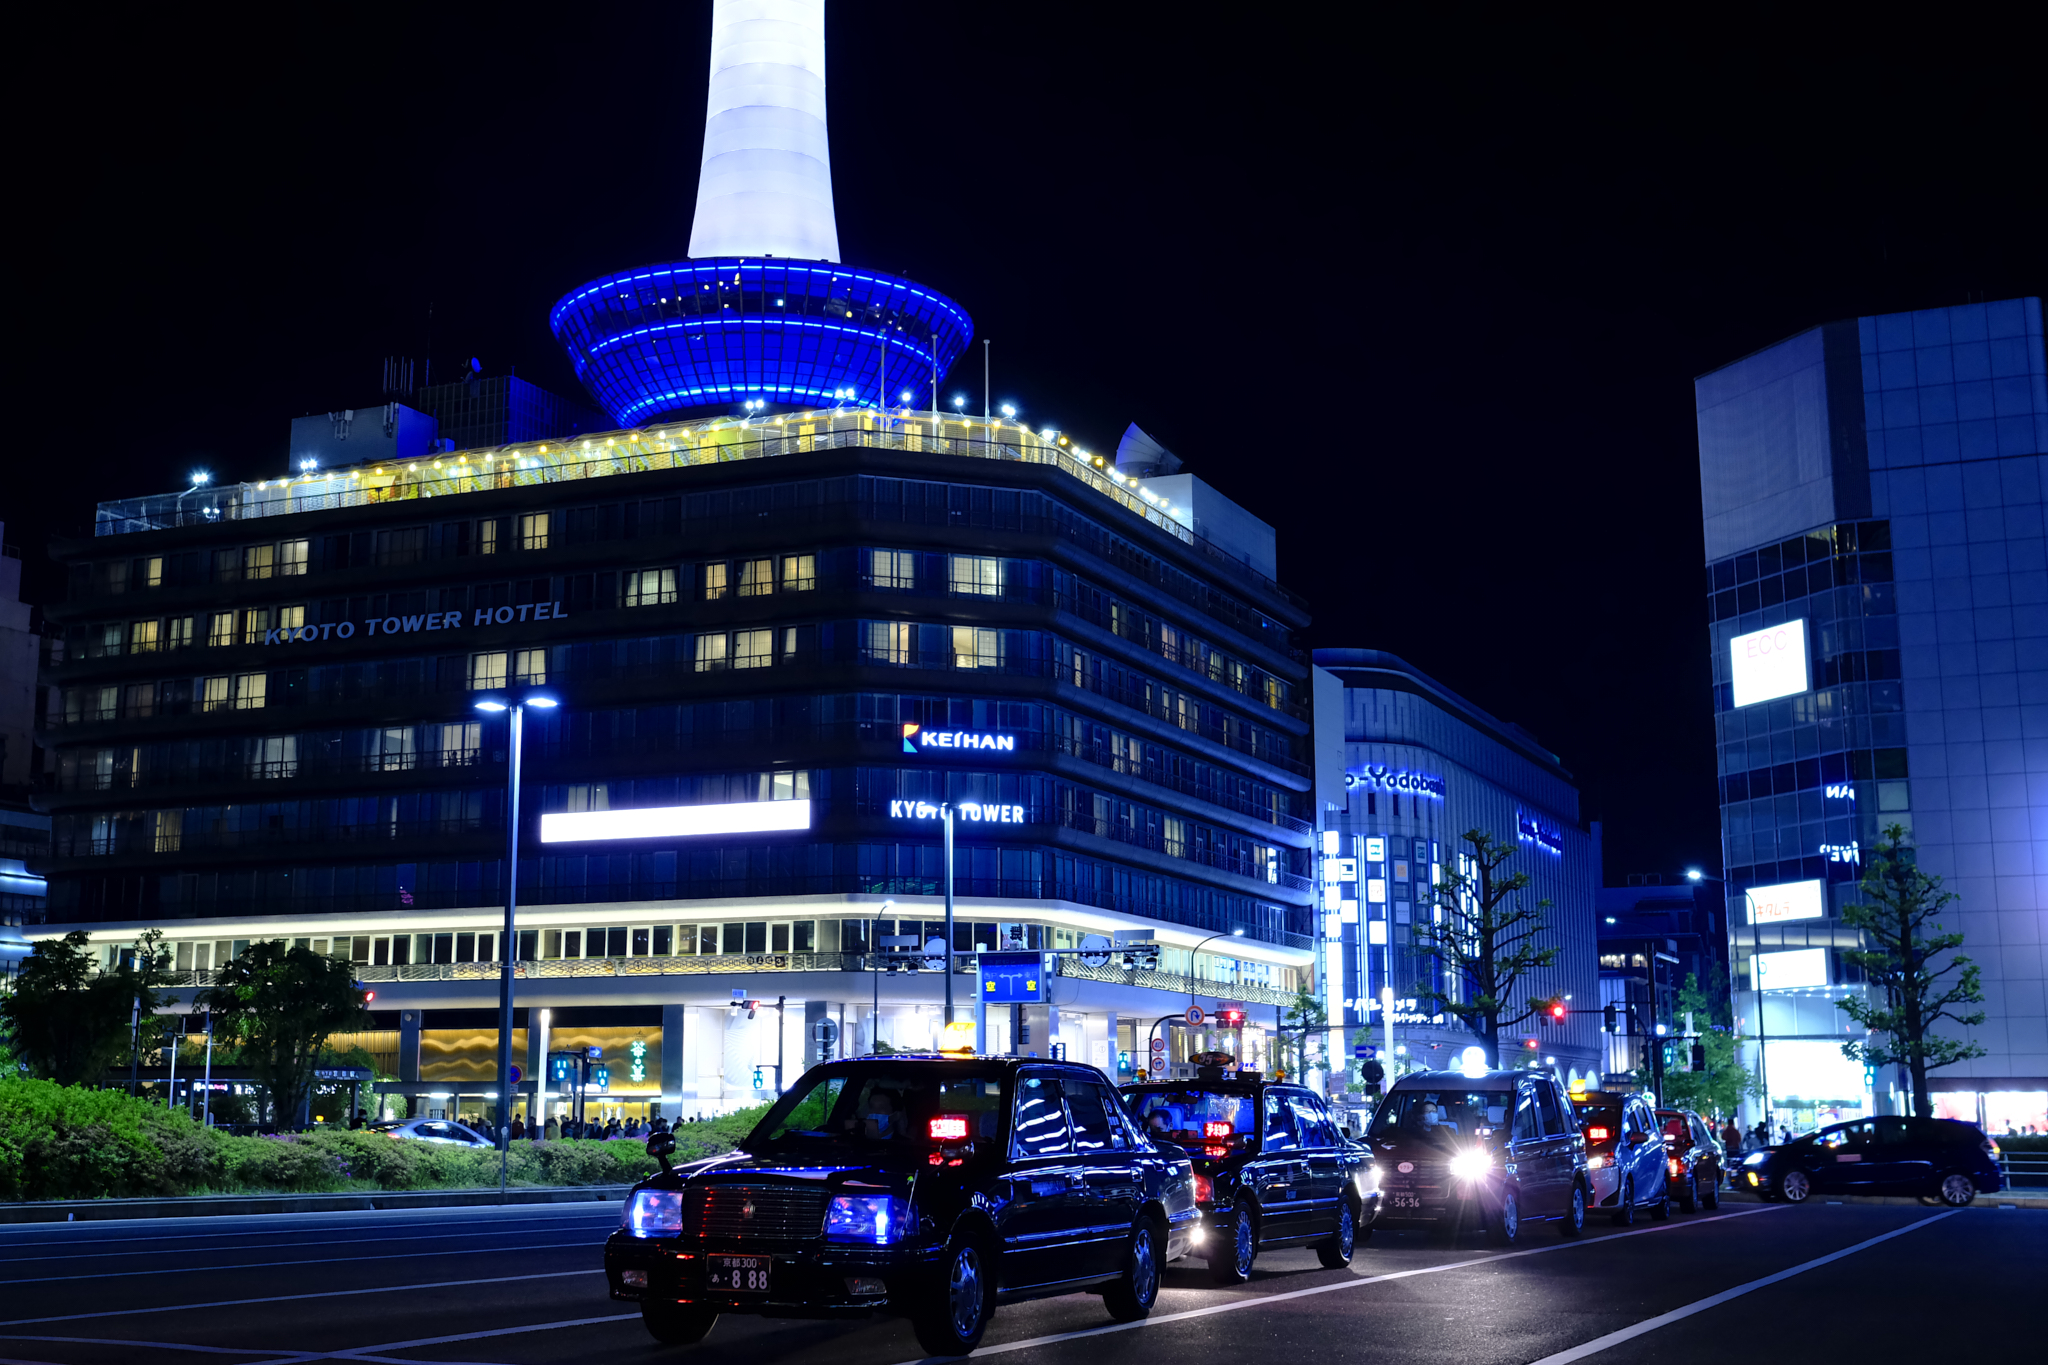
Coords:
1768,663
668,822
1789,900
1801,967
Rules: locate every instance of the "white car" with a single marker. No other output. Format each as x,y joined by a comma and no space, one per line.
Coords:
445,1131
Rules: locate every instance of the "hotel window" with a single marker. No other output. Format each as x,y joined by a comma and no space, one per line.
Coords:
460,741
664,941
142,637
291,618
533,531
686,939
138,699
178,633
753,648
976,648
584,796
799,573
391,749
220,628
891,642
1174,834
530,667
977,576
487,671
785,786
216,694
893,570
757,577
711,582
257,560
798,642
487,536
255,621
650,587
227,566
274,756
707,939
170,830
291,558
153,572
710,653
251,690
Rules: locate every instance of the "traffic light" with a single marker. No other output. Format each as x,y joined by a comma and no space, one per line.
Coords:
1612,1022
1557,1011
1230,1018
1373,1072
1699,1056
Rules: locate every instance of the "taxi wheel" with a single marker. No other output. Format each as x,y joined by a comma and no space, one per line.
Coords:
1504,1224
1711,1196
674,1324
955,1310
1661,1210
1574,1221
1689,1197
1625,1210
1793,1186
1137,1289
1335,1254
1230,1260
1957,1189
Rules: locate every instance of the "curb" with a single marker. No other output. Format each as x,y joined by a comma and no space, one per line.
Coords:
230,1205
2004,1199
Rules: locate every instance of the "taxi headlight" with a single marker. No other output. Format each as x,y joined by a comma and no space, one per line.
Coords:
877,1219
1756,1158
654,1213
1471,1164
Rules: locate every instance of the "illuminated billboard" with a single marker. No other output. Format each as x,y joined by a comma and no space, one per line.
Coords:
1792,970
671,822
1768,663
1790,900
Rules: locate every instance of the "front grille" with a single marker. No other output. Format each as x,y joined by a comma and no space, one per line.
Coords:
757,1213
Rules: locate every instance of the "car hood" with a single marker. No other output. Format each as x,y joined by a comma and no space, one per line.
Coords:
746,1168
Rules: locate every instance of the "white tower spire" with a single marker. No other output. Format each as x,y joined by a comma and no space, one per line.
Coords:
766,186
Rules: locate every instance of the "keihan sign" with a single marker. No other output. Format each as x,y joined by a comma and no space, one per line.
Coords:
916,739
432,620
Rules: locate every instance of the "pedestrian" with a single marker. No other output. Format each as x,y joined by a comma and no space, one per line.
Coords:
518,1129
660,1125
1731,1138
554,1128
611,1130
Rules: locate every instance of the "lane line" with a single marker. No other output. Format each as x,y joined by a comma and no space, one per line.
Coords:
152,1345
313,1260
113,1224
297,1298
1238,1305
1599,1344
376,1240
365,1352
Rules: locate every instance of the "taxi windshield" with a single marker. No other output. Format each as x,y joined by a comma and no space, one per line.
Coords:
1443,1116
1210,1122
882,1108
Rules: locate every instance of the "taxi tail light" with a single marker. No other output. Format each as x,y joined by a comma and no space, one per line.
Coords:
1677,1167
948,1128
1597,1135
1205,1189
1215,1129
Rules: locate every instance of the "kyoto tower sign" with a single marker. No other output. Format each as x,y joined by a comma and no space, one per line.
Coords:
762,309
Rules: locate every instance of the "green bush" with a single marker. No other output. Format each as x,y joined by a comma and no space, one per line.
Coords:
66,1142
283,1163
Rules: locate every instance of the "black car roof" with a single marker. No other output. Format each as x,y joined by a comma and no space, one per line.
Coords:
1442,1080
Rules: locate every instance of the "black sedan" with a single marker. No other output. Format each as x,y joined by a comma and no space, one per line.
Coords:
1934,1158
926,1186
1271,1169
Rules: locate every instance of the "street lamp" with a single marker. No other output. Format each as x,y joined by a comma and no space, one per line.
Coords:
1756,984
517,706
199,479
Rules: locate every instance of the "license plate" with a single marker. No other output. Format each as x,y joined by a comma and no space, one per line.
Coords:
1405,1200
737,1274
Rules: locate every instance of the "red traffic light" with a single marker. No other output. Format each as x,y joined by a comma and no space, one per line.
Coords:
1230,1018
1557,1011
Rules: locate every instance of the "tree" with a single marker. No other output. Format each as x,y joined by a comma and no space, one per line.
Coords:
1918,995
1485,936
279,1006
1307,1020
1722,1086
70,1019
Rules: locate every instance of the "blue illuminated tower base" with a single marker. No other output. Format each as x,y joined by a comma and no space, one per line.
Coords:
671,339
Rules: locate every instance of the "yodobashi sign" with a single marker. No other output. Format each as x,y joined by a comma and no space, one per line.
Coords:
917,739
1789,900
965,810
1395,780
669,822
417,621
1768,663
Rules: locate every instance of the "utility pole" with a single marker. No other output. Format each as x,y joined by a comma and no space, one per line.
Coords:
946,815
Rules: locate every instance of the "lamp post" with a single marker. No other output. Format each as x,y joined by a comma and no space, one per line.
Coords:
946,815
200,478
510,945
1756,984
1234,933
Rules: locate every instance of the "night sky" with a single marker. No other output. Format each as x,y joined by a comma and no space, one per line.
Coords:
1429,299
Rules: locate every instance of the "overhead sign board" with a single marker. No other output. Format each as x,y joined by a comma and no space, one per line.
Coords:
1801,967
1011,978
977,811
672,822
1770,663
1787,901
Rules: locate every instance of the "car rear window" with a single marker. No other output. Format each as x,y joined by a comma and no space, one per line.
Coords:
1213,1122
1599,1120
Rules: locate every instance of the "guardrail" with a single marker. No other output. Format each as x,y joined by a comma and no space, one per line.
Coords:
2023,1170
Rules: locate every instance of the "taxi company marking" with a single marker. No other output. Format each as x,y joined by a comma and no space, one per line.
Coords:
1598,1344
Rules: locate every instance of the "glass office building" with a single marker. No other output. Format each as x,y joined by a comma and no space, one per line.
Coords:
1878,593
796,636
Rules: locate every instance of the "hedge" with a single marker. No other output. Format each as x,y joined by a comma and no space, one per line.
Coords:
66,1142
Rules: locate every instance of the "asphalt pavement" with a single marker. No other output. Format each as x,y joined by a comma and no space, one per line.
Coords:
522,1285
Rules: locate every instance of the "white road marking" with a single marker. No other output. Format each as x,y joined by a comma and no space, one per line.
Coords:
152,1345
1599,1344
12,1236
295,1298
1236,1305
367,1352
156,1270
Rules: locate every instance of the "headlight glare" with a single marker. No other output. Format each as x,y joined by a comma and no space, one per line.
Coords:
1471,1164
654,1213
876,1219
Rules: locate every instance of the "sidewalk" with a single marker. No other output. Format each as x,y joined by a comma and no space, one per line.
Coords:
228,1205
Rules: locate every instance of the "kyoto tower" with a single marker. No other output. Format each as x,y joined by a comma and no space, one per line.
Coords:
762,309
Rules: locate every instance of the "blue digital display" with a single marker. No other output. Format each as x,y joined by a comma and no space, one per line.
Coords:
1011,978
695,334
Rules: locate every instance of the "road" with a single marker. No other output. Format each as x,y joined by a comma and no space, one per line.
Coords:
522,1286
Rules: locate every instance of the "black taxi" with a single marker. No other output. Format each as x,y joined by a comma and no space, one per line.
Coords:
1501,1148
930,1187
1271,1168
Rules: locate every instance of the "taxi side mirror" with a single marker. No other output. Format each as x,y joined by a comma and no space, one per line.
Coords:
661,1147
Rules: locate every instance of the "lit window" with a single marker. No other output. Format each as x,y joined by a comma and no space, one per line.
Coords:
251,690
291,618
274,756
530,667
291,558
170,830
977,648
891,642
893,570
257,560
650,587
153,572
714,581
533,531
753,648
220,628
977,576
142,637
487,537
487,671
216,694
255,621
710,653
799,573
757,577
178,633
